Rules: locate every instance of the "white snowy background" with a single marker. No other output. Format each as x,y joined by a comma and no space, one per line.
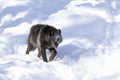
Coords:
91,39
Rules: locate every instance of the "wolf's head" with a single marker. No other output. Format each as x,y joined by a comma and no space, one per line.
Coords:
55,38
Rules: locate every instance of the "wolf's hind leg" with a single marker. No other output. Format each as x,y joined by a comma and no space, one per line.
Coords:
30,47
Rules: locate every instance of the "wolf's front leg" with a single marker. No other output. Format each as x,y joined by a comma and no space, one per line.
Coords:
42,51
53,54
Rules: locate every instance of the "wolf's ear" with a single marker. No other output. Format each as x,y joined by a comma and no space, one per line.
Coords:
59,31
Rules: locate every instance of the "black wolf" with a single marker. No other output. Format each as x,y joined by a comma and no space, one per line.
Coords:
44,37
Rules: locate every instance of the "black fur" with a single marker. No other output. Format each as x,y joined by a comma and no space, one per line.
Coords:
44,37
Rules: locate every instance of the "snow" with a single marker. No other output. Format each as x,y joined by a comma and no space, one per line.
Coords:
7,3
91,39
9,17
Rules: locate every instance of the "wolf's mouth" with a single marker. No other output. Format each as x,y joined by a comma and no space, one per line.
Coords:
56,44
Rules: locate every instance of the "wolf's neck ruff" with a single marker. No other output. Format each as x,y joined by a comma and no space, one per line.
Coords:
39,38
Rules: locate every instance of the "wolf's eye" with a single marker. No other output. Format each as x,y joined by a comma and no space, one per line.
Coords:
51,33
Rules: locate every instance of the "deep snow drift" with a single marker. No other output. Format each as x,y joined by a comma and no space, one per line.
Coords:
90,49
